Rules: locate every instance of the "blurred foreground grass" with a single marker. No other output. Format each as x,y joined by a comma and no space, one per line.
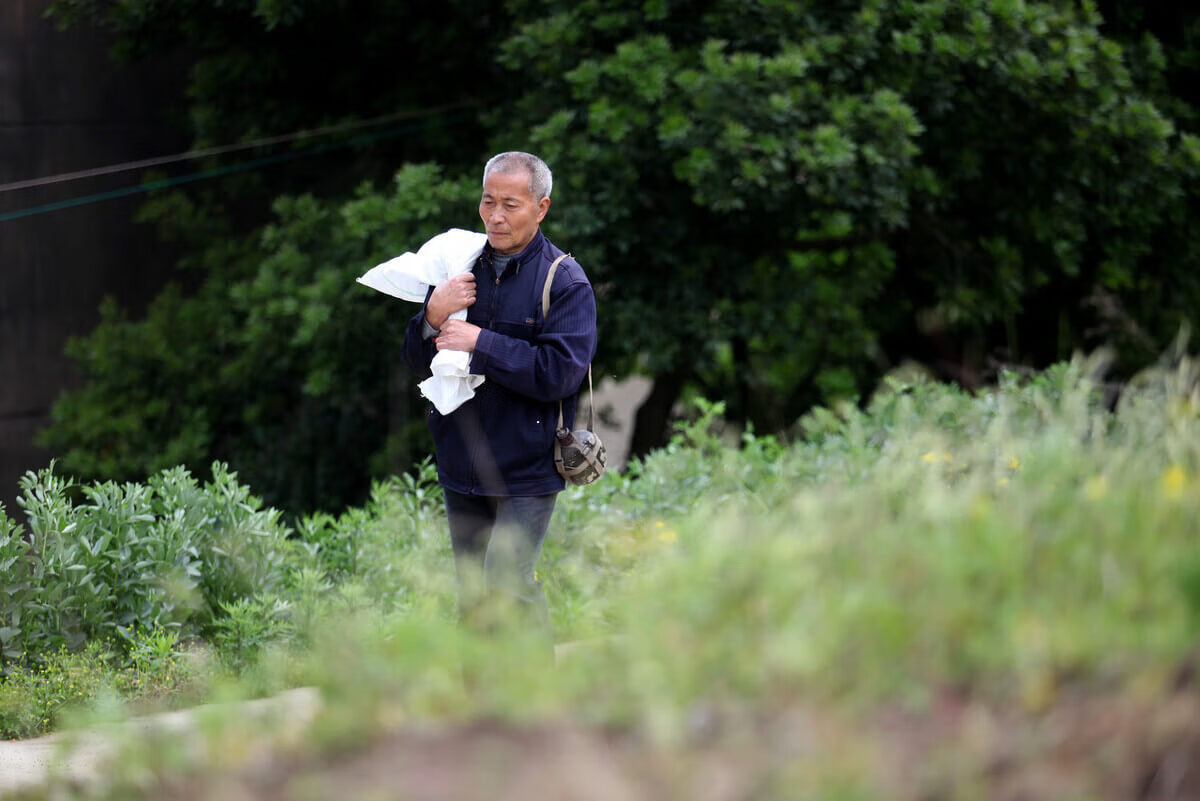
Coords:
870,612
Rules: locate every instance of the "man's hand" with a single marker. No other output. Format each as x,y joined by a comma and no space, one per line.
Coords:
457,335
451,295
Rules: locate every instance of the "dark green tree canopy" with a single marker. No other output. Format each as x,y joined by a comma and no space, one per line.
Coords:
263,67
777,201
280,361
815,179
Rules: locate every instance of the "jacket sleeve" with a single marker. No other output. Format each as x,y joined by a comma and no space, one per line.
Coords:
553,366
418,351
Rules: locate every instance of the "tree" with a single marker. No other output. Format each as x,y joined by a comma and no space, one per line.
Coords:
1162,45
269,354
806,193
264,68
279,362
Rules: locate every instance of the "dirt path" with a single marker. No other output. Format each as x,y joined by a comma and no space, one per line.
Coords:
28,763
79,757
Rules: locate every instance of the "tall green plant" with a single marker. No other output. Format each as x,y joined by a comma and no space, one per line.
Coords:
15,589
167,555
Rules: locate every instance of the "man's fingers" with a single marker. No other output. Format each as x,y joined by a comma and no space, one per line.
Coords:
465,286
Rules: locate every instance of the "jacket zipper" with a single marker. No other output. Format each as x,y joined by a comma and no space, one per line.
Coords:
491,319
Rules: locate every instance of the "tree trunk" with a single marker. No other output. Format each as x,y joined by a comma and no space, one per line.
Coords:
650,422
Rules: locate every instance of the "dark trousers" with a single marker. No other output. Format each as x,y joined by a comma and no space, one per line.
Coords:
497,542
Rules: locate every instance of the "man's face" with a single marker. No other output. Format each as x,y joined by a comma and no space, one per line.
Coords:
509,211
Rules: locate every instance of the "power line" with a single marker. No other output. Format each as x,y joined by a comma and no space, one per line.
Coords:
216,151
165,183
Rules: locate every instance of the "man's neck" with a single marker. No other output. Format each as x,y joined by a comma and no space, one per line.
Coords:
500,261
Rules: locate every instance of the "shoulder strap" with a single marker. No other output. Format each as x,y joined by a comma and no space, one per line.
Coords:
546,288
546,311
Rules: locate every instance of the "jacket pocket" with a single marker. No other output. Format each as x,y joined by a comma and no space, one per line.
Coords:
525,330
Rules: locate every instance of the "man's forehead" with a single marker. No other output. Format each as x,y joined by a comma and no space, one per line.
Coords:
514,183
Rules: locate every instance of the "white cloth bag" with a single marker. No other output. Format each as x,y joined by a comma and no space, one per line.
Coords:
408,277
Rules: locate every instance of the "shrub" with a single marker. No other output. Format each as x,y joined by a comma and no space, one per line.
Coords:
14,591
164,555
158,666
394,546
246,627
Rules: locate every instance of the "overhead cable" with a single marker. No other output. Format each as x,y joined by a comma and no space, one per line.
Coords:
165,183
216,151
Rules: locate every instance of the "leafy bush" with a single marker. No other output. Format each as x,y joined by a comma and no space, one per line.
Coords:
246,626
1007,541
15,589
929,493
159,667
1008,545
393,547
164,555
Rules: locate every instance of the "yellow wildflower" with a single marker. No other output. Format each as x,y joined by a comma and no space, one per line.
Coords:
668,536
1014,463
1173,480
1002,482
938,457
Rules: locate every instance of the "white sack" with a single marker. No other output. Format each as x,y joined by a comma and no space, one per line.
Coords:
408,277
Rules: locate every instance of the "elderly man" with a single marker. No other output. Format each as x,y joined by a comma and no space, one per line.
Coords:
495,452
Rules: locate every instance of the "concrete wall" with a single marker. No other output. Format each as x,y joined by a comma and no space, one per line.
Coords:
63,107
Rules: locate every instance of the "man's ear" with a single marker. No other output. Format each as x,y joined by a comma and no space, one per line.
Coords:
543,207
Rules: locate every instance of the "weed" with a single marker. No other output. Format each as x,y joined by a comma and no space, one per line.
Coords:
34,699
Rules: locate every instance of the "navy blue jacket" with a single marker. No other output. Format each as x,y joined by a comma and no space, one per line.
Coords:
501,442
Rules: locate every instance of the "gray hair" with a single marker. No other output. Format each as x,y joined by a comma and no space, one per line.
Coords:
540,179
